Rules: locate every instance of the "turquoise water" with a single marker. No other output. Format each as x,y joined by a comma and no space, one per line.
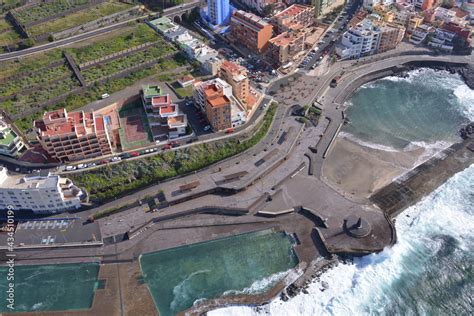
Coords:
245,263
54,287
426,108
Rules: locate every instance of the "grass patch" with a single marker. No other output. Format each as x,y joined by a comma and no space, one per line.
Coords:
182,92
79,18
120,179
139,35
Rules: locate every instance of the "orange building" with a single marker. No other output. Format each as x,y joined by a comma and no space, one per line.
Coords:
250,31
73,136
236,76
218,108
427,4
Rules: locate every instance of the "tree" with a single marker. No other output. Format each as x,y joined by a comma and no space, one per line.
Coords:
268,9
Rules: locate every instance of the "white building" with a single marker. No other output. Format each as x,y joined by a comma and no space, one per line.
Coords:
361,40
10,143
40,193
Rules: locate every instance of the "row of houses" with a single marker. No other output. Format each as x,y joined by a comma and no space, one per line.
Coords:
279,39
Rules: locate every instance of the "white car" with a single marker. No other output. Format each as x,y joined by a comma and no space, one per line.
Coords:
81,166
105,96
207,127
70,168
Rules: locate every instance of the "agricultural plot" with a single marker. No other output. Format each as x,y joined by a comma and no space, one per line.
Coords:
136,36
44,10
78,18
8,35
120,64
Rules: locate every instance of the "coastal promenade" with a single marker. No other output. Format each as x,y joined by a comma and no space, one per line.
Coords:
280,177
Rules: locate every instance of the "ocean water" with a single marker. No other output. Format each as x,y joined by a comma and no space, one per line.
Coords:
249,264
429,271
425,109
54,287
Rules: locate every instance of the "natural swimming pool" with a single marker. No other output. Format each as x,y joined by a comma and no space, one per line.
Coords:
54,287
179,276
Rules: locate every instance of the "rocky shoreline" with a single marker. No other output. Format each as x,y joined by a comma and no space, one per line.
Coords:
466,71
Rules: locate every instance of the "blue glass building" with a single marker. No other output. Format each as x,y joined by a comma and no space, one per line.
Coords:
218,11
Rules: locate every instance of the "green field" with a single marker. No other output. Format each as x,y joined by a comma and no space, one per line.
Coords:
8,35
79,18
45,10
119,179
24,75
142,33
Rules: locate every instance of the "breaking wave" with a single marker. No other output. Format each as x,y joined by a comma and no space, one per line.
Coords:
428,271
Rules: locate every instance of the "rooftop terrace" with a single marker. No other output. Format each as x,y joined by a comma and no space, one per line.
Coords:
7,137
151,91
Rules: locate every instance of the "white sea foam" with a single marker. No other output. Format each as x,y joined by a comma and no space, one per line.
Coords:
37,306
364,143
363,287
181,292
465,96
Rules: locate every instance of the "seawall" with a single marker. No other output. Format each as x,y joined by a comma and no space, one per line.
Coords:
423,179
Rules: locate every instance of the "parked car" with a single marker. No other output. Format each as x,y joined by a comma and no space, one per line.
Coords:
70,168
134,154
207,127
105,96
229,131
167,146
81,166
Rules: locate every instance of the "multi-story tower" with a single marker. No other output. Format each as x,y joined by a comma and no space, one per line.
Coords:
251,31
218,108
236,76
218,11
73,136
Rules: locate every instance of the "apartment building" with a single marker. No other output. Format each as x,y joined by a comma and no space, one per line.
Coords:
10,143
238,114
164,117
74,136
249,30
284,47
218,107
390,36
42,193
199,87
293,18
360,40
414,22
237,77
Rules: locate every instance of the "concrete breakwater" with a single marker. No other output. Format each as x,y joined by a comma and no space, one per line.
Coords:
423,179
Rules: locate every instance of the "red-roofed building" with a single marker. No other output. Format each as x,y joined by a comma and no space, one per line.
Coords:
293,18
163,116
462,32
250,30
284,47
218,107
73,136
